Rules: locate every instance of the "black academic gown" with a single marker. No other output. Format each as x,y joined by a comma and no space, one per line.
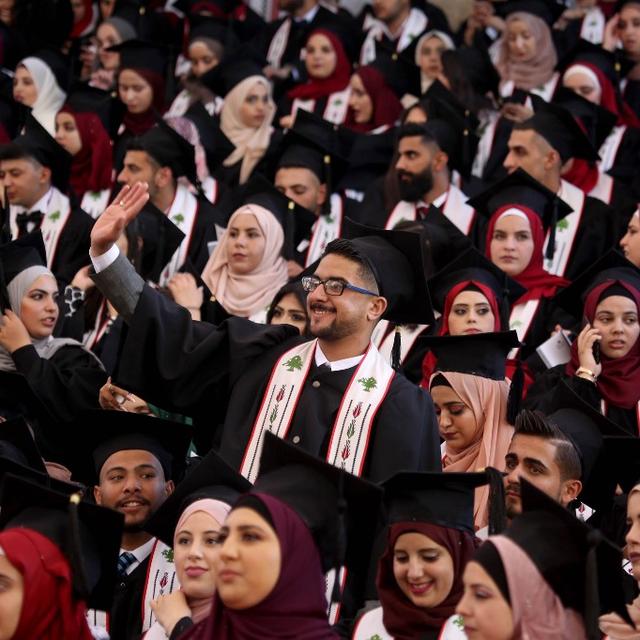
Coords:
125,618
218,375
204,232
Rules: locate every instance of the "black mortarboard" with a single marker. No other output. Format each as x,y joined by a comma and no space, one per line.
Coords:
606,61
561,130
437,94
211,478
597,121
84,98
138,54
369,157
476,64
88,535
17,444
548,10
20,254
472,265
36,142
296,221
58,65
214,29
519,188
113,431
169,149
401,74
445,499
235,66
611,266
160,240
216,145
397,261
478,354
341,510
620,462
581,566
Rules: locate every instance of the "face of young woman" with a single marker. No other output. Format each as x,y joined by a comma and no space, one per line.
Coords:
616,318
630,243
24,88
487,615
253,110
470,313
423,569
11,596
629,29
360,100
457,423
520,42
512,245
107,36
248,559
134,91
633,534
39,309
321,57
290,311
583,85
67,134
245,244
202,58
194,551
430,57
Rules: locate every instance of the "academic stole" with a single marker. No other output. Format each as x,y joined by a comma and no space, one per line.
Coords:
278,44
520,320
592,28
183,213
95,202
603,189
326,228
56,216
609,149
100,327
566,230
335,110
351,431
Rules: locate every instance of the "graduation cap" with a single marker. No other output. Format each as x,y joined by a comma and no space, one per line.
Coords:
88,535
84,98
236,65
296,221
547,10
369,157
36,143
478,68
211,478
169,149
215,144
215,29
561,130
437,94
114,431
581,566
139,54
400,73
519,188
444,499
611,266
606,61
17,444
473,266
620,461
58,65
340,509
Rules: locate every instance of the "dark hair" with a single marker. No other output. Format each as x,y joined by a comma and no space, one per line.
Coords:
413,129
137,144
346,249
535,423
13,151
301,296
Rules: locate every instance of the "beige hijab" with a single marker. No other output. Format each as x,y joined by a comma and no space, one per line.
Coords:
245,294
487,399
251,144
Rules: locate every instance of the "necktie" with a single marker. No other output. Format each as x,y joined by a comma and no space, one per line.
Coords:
125,560
23,220
421,212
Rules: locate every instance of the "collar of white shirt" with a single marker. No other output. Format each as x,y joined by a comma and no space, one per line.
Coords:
140,553
309,16
43,203
337,365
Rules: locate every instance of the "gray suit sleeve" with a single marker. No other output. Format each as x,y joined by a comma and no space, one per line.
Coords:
121,285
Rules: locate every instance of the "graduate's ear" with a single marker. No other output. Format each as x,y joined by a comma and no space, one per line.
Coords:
377,307
163,177
97,494
169,487
440,161
570,491
45,175
552,159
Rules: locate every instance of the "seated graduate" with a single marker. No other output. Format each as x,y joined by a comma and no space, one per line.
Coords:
83,127
630,242
548,576
289,306
63,375
428,56
132,462
277,545
430,540
335,377
189,521
606,376
471,397
57,556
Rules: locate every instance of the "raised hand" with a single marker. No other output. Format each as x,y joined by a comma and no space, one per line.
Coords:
111,223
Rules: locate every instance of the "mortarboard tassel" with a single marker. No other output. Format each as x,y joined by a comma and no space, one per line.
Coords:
341,541
591,593
551,246
515,393
497,510
289,231
5,216
396,349
504,309
326,206
75,552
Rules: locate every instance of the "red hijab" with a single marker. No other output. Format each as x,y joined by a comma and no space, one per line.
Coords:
401,618
49,611
139,123
386,106
538,282
619,381
91,167
81,26
338,80
296,608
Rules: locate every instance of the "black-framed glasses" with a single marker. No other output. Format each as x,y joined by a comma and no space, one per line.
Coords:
332,286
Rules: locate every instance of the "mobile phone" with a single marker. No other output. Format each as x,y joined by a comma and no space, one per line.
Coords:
595,348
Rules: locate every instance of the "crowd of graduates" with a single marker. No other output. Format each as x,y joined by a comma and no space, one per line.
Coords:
321,325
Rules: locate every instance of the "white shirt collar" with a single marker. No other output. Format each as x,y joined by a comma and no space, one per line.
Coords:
439,201
43,203
140,553
336,365
309,16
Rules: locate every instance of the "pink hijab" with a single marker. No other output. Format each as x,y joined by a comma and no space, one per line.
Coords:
246,294
487,399
538,613
218,511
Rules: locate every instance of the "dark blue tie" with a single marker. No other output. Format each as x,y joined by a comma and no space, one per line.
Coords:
125,560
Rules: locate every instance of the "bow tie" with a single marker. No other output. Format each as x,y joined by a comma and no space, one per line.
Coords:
24,219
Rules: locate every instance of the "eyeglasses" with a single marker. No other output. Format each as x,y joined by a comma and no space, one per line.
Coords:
332,286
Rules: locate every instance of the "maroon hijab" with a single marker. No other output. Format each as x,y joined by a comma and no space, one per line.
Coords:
139,123
401,618
619,381
296,609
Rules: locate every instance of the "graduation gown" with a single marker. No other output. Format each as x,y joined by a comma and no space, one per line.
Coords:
219,375
125,619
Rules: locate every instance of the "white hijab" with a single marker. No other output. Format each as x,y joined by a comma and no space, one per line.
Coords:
50,96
